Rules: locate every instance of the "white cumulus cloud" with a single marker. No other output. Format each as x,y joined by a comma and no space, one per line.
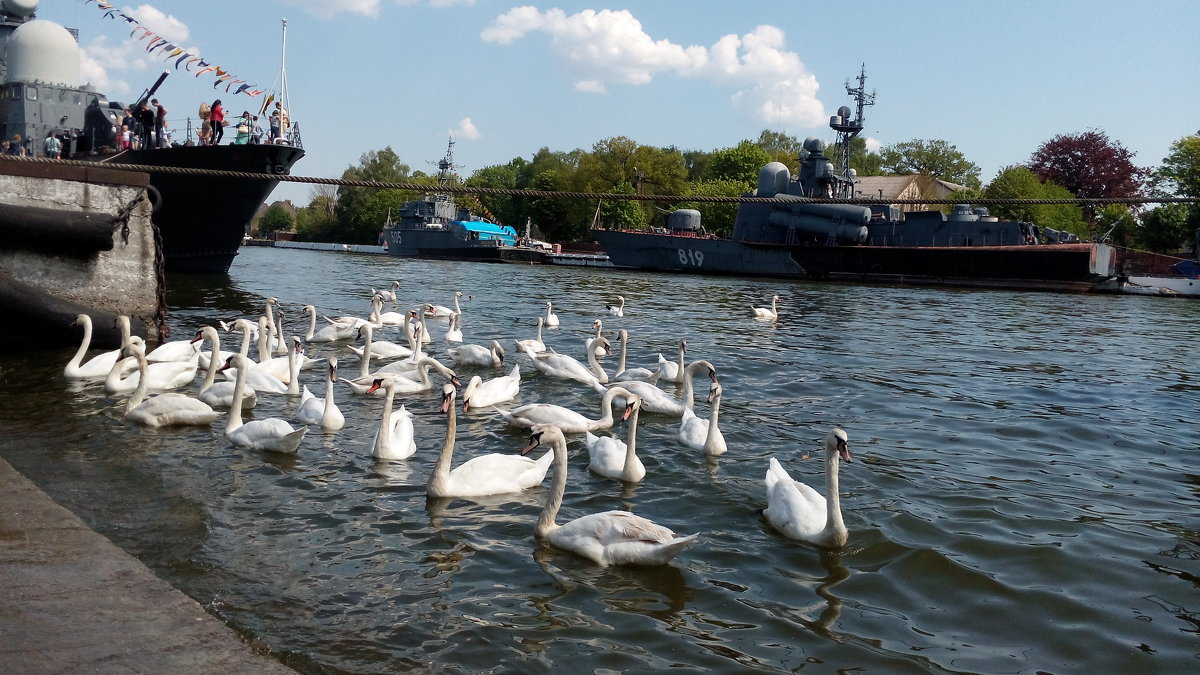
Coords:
601,48
466,129
873,144
327,9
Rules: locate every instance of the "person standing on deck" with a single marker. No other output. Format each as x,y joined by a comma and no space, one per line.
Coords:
217,116
160,123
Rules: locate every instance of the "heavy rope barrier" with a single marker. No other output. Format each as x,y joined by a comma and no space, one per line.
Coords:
609,196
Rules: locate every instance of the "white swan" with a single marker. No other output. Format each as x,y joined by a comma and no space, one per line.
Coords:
490,474
600,350
414,326
394,437
380,349
534,346
672,371
480,394
800,512
442,311
329,333
609,457
220,394
275,339
565,419
175,350
619,309
404,384
162,409
388,295
382,318
98,366
608,538
322,411
625,374
167,375
454,330
271,434
704,434
771,314
656,400
551,317
258,380
568,368
478,355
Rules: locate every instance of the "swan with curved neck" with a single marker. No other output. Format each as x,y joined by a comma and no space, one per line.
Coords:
534,346
215,393
478,355
490,474
609,457
618,309
166,375
624,374
565,419
162,409
568,368
405,384
271,434
608,538
481,394
656,400
800,512
672,371
704,434
98,366
454,329
394,437
769,314
323,412
551,317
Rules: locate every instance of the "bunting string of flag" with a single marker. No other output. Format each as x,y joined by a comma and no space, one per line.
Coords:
168,51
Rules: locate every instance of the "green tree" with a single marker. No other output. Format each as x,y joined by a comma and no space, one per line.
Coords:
1178,176
1018,182
863,161
507,209
935,158
623,214
777,143
1117,223
275,219
357,217
1166,229
739,163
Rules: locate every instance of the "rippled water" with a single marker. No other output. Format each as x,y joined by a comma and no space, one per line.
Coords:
1024,495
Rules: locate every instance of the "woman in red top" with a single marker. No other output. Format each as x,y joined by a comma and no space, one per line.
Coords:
217,116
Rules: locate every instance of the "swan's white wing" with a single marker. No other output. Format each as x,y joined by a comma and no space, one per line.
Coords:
497,473
172,409
793,508
619,537
693,430
269,434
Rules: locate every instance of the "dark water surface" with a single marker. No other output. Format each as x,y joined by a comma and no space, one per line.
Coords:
1024,497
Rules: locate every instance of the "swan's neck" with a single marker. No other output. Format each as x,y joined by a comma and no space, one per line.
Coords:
139,394
293,372
329,403
440,476
594,365
365,363
264,340
83,346
210,376
624,346
539,338
627,471
681,360
383,440
710,438
245,350
312,325
606,413
689,389
239,390
547,522
457,308
835,528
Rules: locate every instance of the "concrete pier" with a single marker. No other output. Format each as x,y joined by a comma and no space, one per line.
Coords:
72,602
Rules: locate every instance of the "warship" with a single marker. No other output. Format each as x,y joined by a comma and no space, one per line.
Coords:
437,227
201,218
787,234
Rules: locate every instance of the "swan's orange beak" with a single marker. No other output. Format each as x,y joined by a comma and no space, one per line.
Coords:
446,403
466,405
628,411
375,385
534,441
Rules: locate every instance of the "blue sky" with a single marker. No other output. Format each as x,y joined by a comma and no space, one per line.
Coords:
996,79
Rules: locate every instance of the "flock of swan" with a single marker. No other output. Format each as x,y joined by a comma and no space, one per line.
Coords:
612,537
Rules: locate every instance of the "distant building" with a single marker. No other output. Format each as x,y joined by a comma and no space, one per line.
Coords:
915,186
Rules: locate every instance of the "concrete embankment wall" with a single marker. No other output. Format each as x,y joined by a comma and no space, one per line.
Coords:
56,283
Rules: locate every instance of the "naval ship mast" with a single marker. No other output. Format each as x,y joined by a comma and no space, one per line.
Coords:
847,129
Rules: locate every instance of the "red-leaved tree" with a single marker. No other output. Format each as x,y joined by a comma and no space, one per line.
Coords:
1089,165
